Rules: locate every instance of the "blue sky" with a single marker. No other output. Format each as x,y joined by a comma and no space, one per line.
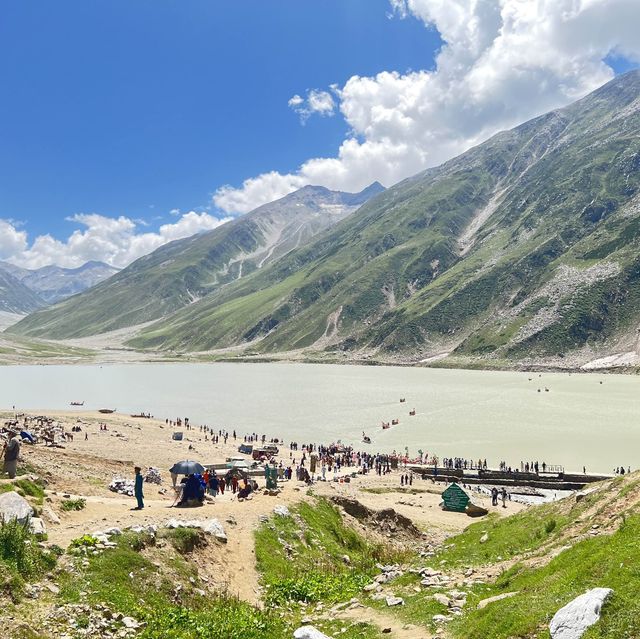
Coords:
121,122
118,106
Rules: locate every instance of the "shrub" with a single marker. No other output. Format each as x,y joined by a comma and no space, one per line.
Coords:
550,526
185,540
73,504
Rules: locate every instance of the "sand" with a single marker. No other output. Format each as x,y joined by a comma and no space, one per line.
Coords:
86,467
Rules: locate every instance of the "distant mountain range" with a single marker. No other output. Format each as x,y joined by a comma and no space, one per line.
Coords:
23,290
524,248
182,272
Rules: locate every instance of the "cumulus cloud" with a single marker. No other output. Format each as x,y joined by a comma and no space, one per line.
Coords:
317,102
502,62
112,240
12,240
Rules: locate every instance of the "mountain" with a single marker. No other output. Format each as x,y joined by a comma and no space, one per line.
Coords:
178,274
523,248
15,297
54,283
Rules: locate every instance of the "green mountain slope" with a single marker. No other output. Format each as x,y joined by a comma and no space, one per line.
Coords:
525,246
178,274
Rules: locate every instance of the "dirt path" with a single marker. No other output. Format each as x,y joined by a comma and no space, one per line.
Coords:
397,629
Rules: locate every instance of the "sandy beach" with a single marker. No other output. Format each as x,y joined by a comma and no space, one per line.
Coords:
84,468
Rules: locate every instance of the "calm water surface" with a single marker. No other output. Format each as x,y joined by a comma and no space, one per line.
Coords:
497,415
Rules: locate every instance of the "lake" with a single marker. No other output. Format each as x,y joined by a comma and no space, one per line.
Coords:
591,420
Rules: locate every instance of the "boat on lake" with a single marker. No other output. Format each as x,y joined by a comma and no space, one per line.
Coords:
77,403
107,411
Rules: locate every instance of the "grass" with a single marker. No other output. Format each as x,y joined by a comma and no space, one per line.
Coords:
69,505
301,556
604,561
185,540
21,559
129,582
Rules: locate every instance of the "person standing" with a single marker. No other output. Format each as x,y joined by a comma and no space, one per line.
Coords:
503,494
137,490
11,452
494,496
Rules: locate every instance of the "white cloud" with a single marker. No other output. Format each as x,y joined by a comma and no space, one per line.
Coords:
503,62
317,101
112,240
12,241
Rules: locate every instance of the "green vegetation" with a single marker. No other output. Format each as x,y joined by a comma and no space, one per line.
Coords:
155,587
73,504
20,558
605,561
28,488
301,557
185,540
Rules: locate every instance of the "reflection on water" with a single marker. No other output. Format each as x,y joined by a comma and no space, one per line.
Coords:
590,420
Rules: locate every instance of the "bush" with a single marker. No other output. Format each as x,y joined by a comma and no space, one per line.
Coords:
185,540
84,541
20,557
550,526
73,504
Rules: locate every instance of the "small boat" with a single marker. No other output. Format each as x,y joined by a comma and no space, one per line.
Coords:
412,412
402,400
395,422
366,440
77,403
142,415
385,425
107,411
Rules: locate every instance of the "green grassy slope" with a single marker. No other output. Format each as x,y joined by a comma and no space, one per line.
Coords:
552,268
178,273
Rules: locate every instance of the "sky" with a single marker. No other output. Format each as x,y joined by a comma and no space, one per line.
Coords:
124,125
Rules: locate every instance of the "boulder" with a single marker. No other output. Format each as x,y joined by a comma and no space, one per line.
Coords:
12,506
214,527
571,621
309,632
282,511
37,526
443,600
50,516
490,600
394,601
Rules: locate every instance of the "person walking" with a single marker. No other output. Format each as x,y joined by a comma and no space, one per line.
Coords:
11,452
503,494
137,489
494,496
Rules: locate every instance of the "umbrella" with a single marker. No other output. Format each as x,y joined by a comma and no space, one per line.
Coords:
186,467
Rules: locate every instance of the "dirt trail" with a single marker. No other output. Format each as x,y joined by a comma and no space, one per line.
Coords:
397,629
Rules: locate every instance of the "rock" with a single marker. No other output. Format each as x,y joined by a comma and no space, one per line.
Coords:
37,526
571,621
12,506
489,600
214,527
371,587
129,622
52,588
282,511
394,601
346,559
484,539
309,632
443,600
50,516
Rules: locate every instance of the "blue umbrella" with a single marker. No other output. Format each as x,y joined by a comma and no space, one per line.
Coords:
186,467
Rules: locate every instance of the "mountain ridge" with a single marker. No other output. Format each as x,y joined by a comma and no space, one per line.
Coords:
181,272
427,293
